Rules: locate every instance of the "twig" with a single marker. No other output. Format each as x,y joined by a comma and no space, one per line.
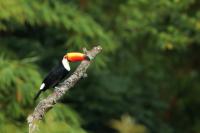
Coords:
48,103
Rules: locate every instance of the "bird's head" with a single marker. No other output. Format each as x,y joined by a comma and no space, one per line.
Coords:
73,57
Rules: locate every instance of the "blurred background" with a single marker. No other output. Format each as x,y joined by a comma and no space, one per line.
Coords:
146,80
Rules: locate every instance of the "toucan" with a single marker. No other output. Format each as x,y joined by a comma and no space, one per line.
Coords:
58,73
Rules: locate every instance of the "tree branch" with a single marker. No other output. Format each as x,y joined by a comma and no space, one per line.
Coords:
47,103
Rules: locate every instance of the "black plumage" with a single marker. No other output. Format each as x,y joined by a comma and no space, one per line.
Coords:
55,76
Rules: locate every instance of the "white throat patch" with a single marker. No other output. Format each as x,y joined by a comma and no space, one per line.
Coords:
66,64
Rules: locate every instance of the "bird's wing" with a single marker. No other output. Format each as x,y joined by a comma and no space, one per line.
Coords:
55,76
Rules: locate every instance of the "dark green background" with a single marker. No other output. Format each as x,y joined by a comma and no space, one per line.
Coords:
146,80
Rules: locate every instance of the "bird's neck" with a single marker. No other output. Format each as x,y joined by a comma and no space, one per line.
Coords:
65,63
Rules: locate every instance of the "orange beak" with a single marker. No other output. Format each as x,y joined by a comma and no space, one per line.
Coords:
75,56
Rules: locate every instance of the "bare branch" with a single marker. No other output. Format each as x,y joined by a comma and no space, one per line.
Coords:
48,103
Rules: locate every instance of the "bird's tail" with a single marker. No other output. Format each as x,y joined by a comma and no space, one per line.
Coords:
37,95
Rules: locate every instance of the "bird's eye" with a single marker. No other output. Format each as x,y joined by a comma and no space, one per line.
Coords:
65,56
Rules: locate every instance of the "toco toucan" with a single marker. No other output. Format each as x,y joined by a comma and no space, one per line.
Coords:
57,74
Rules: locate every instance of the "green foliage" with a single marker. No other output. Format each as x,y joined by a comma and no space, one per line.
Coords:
62,120
46,26
149,67
162,27
19,82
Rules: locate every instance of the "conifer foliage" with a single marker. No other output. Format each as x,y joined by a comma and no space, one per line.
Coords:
147,75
